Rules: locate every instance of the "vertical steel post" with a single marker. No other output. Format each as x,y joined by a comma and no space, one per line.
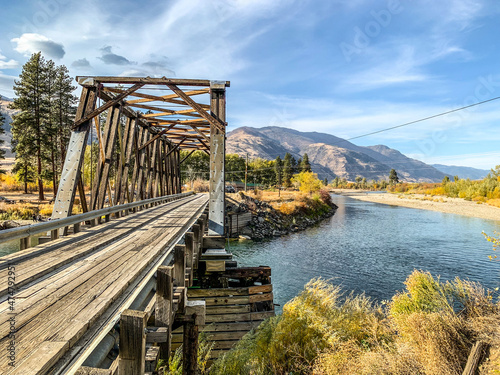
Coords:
217,154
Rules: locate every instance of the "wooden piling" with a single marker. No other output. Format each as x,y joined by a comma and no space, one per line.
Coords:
163,310
132,342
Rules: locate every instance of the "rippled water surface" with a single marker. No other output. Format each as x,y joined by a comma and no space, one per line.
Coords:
373,247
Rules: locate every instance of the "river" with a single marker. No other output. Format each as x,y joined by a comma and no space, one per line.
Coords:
372,248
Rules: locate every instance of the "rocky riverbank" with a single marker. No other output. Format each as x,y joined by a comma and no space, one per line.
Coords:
268,221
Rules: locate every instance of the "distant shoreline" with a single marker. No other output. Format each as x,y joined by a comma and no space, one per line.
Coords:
437,203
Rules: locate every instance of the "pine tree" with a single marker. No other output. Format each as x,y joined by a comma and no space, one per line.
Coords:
278,169
305,166
2,132
28,125
393,177
287,169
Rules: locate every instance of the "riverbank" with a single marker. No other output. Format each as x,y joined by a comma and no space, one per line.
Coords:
274,216
456,206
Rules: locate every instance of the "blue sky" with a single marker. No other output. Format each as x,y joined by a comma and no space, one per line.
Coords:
345,67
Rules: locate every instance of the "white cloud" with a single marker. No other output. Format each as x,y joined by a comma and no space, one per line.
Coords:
32,43
7,64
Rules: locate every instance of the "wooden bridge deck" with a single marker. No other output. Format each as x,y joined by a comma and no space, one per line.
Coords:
65,286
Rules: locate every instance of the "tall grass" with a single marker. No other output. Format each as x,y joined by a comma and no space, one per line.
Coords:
428,328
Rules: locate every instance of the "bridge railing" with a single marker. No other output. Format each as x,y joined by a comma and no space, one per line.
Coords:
54,226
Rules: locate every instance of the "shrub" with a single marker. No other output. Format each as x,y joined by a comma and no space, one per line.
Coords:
325,197
427,329
200,186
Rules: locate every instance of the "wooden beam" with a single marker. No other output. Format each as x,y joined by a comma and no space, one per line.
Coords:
153,139
108,104
173,96
212,120
185,157
85,80
132,342
180,265
163,308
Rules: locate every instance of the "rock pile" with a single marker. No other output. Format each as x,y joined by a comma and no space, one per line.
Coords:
267,222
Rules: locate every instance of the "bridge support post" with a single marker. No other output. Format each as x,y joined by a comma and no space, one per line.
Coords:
163,310
189,241
180,265
195,313
132,342
217,154
74,157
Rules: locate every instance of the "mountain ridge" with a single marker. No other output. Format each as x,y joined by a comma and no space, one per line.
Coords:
330,156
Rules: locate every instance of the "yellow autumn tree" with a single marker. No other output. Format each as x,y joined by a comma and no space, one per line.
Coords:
307,182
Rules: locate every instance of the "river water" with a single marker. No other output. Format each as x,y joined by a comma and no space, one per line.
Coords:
372,248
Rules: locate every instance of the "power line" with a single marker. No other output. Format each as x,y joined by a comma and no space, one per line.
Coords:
423,119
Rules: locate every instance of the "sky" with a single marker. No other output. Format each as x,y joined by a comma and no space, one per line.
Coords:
343,67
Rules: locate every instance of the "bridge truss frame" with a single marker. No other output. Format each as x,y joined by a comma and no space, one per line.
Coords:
142,136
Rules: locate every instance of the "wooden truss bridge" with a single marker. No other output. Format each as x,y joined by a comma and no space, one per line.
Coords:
116,288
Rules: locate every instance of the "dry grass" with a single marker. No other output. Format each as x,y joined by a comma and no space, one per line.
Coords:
427,329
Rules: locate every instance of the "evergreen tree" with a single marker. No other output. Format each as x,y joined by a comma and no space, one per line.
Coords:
2,132
288,169
28,125
305,166
325,181
393,177
278,169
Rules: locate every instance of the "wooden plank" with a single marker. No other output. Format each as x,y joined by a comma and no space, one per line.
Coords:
77,299
225,327
476,356
147,81
222,292
151,359
214,336
243,317
132,342
45,356
230,309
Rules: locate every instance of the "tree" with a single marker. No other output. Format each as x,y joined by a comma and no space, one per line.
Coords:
305,166
496,172
325,181
358,181
28,125
287,169
446,179
234,167
278,169
393,177
2,132
308,182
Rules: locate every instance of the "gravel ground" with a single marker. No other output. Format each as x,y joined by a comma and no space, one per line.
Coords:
442,204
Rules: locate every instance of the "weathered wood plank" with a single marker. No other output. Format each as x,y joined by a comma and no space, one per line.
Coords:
222,292
132,343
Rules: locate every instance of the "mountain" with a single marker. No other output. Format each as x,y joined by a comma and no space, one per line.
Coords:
330,156
462,172
8,113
